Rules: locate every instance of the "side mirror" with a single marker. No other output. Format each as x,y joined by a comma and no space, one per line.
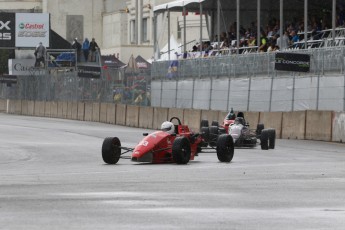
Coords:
145,134
227,125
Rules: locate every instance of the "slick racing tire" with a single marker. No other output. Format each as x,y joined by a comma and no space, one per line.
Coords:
225,148
271,138
264,139
204,123
215,123
259,129
111,150
213,136
181,150
205,134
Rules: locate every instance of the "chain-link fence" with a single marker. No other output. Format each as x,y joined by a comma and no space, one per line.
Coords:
114,85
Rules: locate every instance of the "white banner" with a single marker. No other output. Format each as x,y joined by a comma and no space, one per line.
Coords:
31,29
23,67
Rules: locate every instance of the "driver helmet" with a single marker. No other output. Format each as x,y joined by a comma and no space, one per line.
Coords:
168,127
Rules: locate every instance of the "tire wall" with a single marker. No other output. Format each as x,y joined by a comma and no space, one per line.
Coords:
308,124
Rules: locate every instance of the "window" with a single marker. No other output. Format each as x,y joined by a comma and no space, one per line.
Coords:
145,30
179,30
133,35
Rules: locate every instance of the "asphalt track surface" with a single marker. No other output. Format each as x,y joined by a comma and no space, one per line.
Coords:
52,177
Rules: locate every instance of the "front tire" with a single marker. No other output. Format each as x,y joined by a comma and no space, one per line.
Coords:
181,150
264,139
272,138
111,150
225,148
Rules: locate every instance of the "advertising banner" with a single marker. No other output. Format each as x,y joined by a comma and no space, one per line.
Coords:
89,71
7,30
24,67
31,29
292,62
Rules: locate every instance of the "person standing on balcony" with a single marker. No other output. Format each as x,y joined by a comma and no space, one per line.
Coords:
85,47
93,49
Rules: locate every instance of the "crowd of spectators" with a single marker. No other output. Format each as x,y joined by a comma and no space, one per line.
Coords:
270,40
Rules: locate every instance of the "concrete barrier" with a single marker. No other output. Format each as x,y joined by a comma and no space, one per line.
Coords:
25,107
31,108
210,115
81,111
121,114
11,106
159,116
103,112
192,118
111,113
64,109
146,117
88,111
54,109
252,118
39,108
221,116
293,126
96,111
47,109
60,109
18,107
272,120
69,110
338,127
74,110
132,118
3,105
318,125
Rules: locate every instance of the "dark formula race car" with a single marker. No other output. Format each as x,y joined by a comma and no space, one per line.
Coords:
161,146
240,131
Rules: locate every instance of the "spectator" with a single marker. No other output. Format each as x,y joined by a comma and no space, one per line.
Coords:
39,54
263,46
77,46
93,49
85,48
294,38
283,42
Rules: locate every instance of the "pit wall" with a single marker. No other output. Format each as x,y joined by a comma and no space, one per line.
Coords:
303,125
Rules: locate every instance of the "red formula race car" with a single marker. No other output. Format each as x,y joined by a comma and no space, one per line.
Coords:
175,143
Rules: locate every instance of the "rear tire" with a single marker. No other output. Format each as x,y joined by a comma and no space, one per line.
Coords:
272,138
259,129
213,136
215,123
181,150
225,148
111,150
204,123
264,139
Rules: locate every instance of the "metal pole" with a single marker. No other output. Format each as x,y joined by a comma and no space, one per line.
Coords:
238,26
136,22
318,92
281,26
229,85
184,30
305,24
258,23
249,87
156,53
293,92
218,22
169,34
200,43
333,20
